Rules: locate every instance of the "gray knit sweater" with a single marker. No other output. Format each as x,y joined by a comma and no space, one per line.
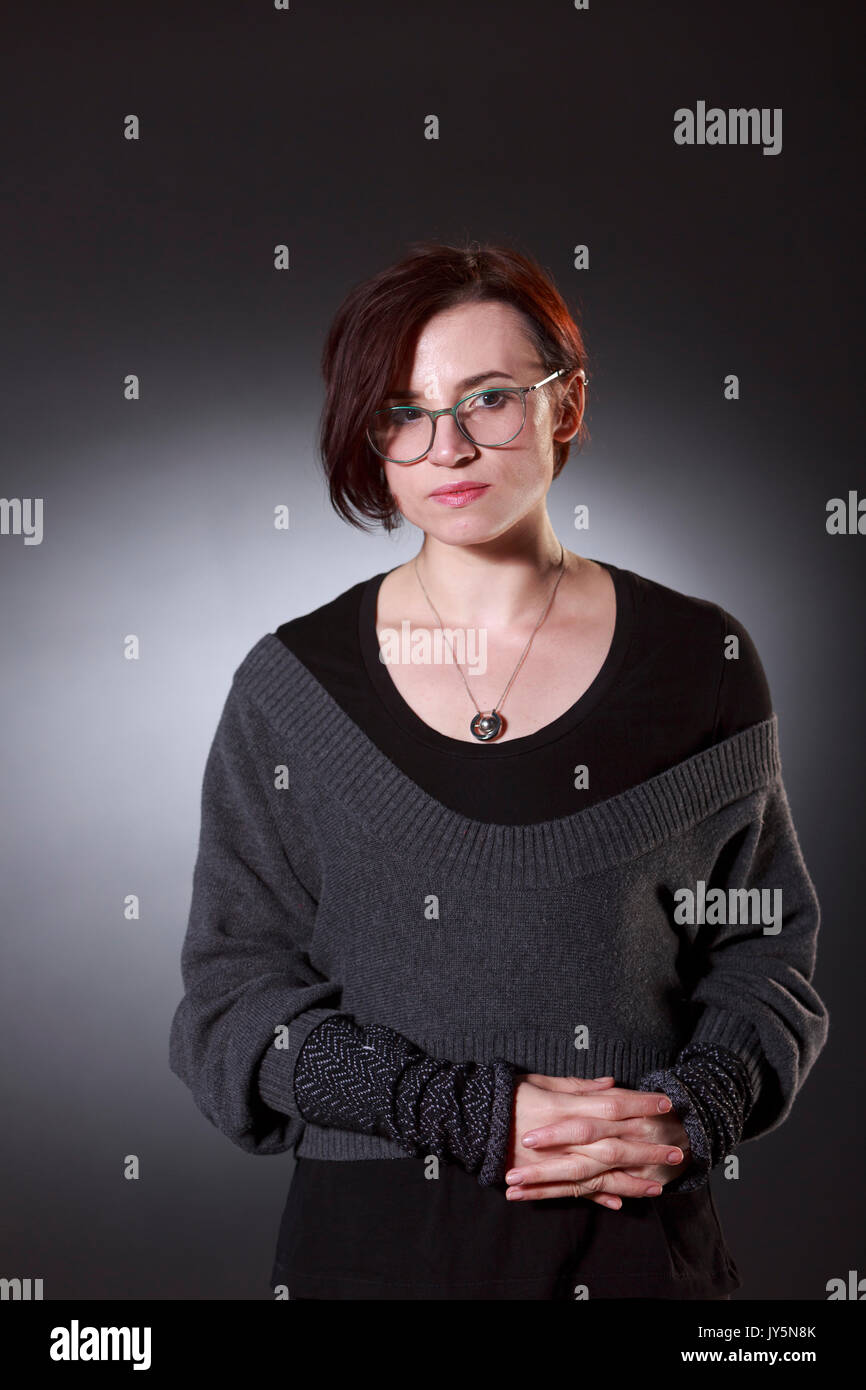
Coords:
328,883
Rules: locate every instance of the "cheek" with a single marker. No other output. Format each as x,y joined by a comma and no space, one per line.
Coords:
398,500
407,499
530,477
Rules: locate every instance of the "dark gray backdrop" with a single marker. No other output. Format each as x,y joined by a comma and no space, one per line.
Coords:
155,257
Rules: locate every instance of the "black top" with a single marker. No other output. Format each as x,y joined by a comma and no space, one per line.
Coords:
380,1228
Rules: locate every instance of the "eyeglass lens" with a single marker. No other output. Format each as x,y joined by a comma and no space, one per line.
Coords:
404,433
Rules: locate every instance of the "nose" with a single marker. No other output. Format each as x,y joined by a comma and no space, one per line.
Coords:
450,445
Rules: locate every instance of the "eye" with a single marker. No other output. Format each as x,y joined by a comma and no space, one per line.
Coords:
486,400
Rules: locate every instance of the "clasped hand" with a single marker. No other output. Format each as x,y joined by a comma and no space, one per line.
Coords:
592,1139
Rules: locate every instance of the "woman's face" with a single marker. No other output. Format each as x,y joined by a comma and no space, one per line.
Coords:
488,341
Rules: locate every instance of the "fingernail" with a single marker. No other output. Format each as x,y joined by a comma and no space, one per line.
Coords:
665,1104
675,1156
654,1190
515,1176
513,1194
529,1140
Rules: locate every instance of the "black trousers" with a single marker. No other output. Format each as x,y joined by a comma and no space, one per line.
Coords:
377,1230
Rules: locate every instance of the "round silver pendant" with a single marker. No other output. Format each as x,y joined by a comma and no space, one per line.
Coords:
486,726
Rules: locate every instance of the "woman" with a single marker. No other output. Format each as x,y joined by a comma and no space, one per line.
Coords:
467,932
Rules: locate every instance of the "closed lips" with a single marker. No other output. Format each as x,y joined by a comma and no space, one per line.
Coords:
457,487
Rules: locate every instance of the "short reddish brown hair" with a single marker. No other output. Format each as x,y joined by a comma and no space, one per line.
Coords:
375,329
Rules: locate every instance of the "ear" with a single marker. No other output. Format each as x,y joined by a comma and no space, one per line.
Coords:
571,407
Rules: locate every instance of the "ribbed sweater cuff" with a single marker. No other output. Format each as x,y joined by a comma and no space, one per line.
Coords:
495,1163
718,1027
711,1093
277,1068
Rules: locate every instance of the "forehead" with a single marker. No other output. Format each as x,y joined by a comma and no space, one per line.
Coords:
467,326
461,341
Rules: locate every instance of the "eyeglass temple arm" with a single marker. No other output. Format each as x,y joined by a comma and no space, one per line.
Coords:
579,371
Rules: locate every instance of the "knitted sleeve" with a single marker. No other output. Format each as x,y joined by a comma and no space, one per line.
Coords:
247,975
373,1080
751,988
712,1093
751,980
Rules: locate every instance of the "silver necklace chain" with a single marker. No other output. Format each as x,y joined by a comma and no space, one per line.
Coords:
491,721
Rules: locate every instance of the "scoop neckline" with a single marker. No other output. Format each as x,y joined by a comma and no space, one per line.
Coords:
413,725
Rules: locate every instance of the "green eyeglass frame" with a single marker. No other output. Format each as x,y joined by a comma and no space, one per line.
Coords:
433,415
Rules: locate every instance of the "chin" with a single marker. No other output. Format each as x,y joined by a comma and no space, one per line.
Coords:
464,530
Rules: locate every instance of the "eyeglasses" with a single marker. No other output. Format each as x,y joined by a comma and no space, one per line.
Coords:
491,418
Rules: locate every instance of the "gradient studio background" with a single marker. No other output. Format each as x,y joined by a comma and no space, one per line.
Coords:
306,127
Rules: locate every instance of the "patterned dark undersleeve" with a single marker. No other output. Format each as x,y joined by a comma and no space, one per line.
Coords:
375,1080
712,1096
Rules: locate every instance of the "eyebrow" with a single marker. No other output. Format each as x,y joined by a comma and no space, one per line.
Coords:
465,385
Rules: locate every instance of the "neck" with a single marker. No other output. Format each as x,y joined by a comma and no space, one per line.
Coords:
497,585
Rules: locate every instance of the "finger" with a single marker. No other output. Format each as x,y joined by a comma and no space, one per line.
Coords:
609,1200
628,1154
605,1153
612,1181
612,1105
649,1175
612,1200
664,1174
576,1131
575,1084
604,1199
576,1166
654,1129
